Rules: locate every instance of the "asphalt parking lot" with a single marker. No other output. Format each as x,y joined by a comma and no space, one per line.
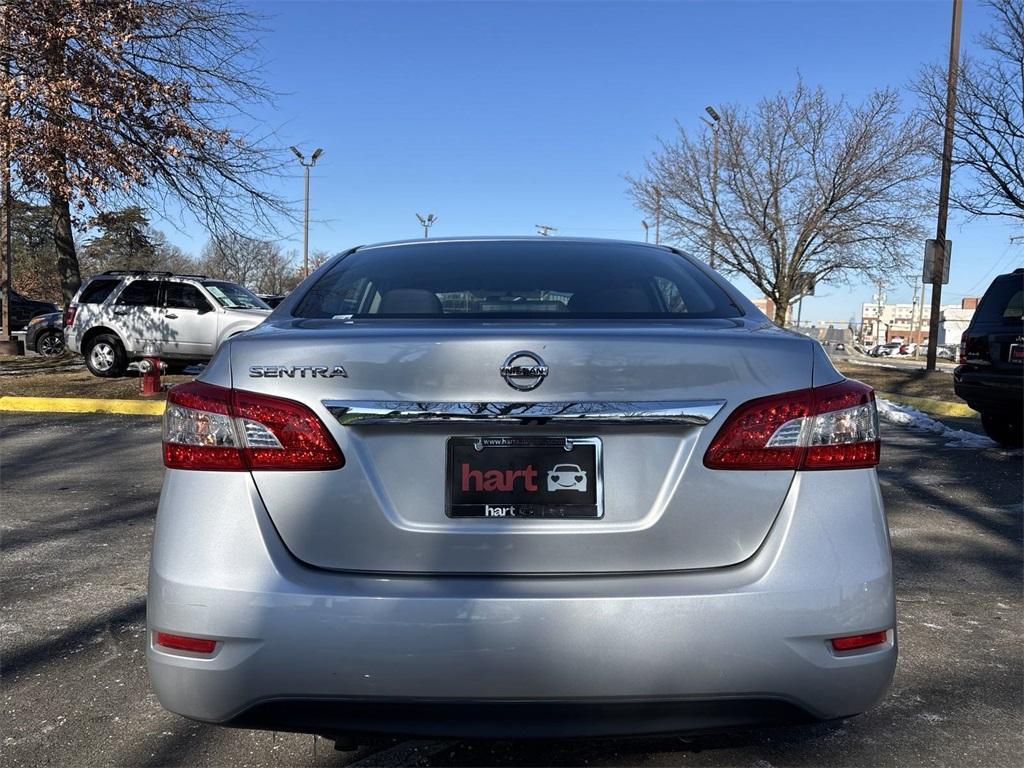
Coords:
79,494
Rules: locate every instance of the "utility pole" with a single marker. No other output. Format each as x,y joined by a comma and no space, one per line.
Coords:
647,230
913,318
426,222
543,229
714,182
879,303
939,262
305,221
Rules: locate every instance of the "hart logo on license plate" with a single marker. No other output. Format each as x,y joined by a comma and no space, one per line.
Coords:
524,477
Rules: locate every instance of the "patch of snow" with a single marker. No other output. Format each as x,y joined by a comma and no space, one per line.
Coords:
908,416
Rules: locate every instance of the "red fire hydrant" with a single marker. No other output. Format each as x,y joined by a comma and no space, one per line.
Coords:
149,368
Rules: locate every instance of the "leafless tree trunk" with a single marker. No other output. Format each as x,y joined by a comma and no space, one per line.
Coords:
989,121
810,188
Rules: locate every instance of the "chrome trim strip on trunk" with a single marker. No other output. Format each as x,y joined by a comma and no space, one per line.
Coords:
384,412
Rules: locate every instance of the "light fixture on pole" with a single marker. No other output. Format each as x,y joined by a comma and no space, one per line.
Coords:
426,222
307,164
647,230
544,230
714,123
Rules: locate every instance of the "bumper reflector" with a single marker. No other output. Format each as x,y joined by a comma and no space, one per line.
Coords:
183,643
853,642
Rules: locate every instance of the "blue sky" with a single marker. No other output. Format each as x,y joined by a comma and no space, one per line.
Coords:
500,116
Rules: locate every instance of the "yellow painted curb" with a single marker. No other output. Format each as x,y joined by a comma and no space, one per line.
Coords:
81,405
928,405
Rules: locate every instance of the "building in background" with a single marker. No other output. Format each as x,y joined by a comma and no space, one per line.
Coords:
767,306
909,322
953,322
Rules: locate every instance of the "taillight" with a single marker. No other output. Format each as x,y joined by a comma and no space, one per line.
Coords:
965,339
69,314
832,427
207,427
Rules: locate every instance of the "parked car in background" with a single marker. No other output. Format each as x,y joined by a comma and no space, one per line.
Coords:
271,299
990,376
116,314
519,487
45,334
24,309
885,350
839,347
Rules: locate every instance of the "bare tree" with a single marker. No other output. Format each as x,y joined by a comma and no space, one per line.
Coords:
115,104
260,265
988,150
810,188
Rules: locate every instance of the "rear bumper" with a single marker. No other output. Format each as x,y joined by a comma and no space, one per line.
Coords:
514,719
308,650
985,390
72,340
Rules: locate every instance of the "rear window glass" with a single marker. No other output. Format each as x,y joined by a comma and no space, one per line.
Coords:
1003,301
97,291
524,280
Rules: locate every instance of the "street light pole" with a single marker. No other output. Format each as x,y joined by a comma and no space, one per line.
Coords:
647,230
426,222
714,181
305,221
939,262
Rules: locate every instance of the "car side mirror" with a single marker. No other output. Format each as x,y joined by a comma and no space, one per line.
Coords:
204,308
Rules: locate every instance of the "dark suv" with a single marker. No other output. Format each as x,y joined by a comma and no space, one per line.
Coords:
24,309
990,376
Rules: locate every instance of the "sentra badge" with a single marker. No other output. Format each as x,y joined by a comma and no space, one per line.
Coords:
296,371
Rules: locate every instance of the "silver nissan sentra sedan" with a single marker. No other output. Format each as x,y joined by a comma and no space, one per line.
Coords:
519,487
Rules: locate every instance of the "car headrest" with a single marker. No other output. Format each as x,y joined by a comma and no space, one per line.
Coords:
409,301
612,301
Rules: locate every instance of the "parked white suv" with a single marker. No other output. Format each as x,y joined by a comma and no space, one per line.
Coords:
115,314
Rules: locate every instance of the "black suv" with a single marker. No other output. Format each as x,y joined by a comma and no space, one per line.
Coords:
23,310
990,376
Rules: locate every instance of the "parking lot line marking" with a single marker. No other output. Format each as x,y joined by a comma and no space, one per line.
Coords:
81,405
930,405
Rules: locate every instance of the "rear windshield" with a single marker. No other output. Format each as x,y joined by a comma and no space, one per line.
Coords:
524,280
1003,301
